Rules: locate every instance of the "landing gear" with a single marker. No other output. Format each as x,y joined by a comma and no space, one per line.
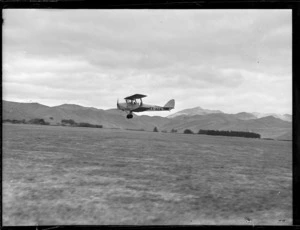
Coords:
129,116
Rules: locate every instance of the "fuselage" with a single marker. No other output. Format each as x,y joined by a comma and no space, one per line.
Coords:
133,107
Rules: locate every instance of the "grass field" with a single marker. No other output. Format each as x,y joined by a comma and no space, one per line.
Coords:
85,176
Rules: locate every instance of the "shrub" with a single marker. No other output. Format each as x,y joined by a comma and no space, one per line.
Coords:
38,121
188,131
83,124
155,129
68,122
174,131
132,129
14,121
229,133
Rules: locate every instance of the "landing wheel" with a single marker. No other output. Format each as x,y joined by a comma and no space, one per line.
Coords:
129,116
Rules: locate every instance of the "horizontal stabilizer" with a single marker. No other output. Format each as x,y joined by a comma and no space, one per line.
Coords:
170,104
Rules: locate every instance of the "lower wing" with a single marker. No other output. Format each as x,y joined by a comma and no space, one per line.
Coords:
167,107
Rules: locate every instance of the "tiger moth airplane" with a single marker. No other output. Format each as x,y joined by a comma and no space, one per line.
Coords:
132,105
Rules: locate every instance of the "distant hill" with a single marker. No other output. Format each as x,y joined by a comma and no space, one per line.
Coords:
19,111
194,111
73,107
245,116
268,127
288,117
286,136
112,118
193,119
241,115
285,117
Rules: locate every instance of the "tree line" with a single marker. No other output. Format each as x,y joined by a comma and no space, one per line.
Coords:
36,121
70,122
225,133
64,122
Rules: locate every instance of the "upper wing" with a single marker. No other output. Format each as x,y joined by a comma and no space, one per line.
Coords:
135,96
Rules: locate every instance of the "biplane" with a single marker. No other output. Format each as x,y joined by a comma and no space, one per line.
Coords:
135,103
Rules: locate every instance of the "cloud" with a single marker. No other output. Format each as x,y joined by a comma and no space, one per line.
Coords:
208,58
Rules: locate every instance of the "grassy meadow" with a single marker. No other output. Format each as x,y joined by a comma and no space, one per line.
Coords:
85,176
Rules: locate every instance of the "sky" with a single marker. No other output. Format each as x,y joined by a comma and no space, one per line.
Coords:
229,60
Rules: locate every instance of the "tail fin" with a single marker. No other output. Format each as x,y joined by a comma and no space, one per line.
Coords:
118,104
170,104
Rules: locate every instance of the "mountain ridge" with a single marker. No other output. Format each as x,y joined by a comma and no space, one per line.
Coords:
194,111
240,115
268,127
